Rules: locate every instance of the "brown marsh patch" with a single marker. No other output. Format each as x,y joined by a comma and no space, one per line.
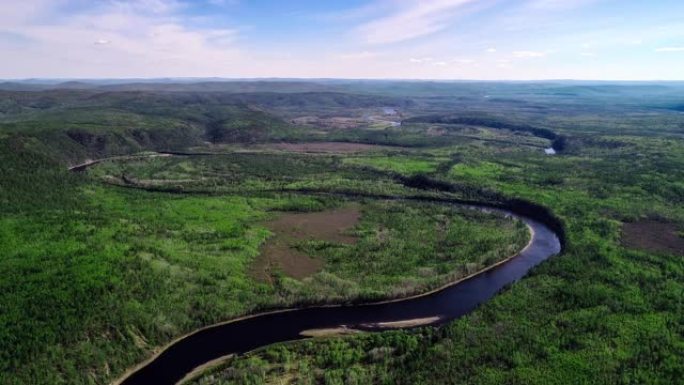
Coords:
280,252
652,235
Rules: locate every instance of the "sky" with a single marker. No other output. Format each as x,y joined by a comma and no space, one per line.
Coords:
398,39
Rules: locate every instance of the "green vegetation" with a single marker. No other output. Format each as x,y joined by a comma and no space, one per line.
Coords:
116,271
97,276
406,248
600,313
125,271
402,165
242,173
477,172
99,268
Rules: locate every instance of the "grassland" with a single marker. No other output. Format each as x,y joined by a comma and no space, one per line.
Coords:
100,268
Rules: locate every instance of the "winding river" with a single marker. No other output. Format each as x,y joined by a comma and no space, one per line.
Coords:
245,334
249,333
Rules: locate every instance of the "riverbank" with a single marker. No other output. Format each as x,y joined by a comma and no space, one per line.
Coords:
138,377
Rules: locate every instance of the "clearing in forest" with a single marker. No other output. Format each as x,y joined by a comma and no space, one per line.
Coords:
655,236
280,252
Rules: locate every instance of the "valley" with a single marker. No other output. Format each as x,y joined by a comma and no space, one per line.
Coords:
132,217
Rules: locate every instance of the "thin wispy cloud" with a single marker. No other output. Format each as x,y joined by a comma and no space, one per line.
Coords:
558,4
528,54
435,39
359,55
412,20
144,36
670,49
463,61
146,6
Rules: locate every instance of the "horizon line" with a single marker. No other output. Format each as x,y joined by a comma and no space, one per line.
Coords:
276,78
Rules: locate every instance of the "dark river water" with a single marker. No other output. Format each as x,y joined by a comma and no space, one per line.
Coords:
250,333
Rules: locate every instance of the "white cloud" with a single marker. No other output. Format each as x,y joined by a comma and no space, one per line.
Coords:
429,61
223,3
20,12
503,63
143,37
359,55
167,38
146,6
559,4
670,49
528,54
415,19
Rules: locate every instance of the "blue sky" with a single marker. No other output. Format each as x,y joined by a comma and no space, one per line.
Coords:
428,39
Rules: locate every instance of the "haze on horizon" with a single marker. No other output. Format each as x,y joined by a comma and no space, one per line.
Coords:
428,39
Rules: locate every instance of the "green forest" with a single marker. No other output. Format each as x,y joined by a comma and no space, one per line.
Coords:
182,221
